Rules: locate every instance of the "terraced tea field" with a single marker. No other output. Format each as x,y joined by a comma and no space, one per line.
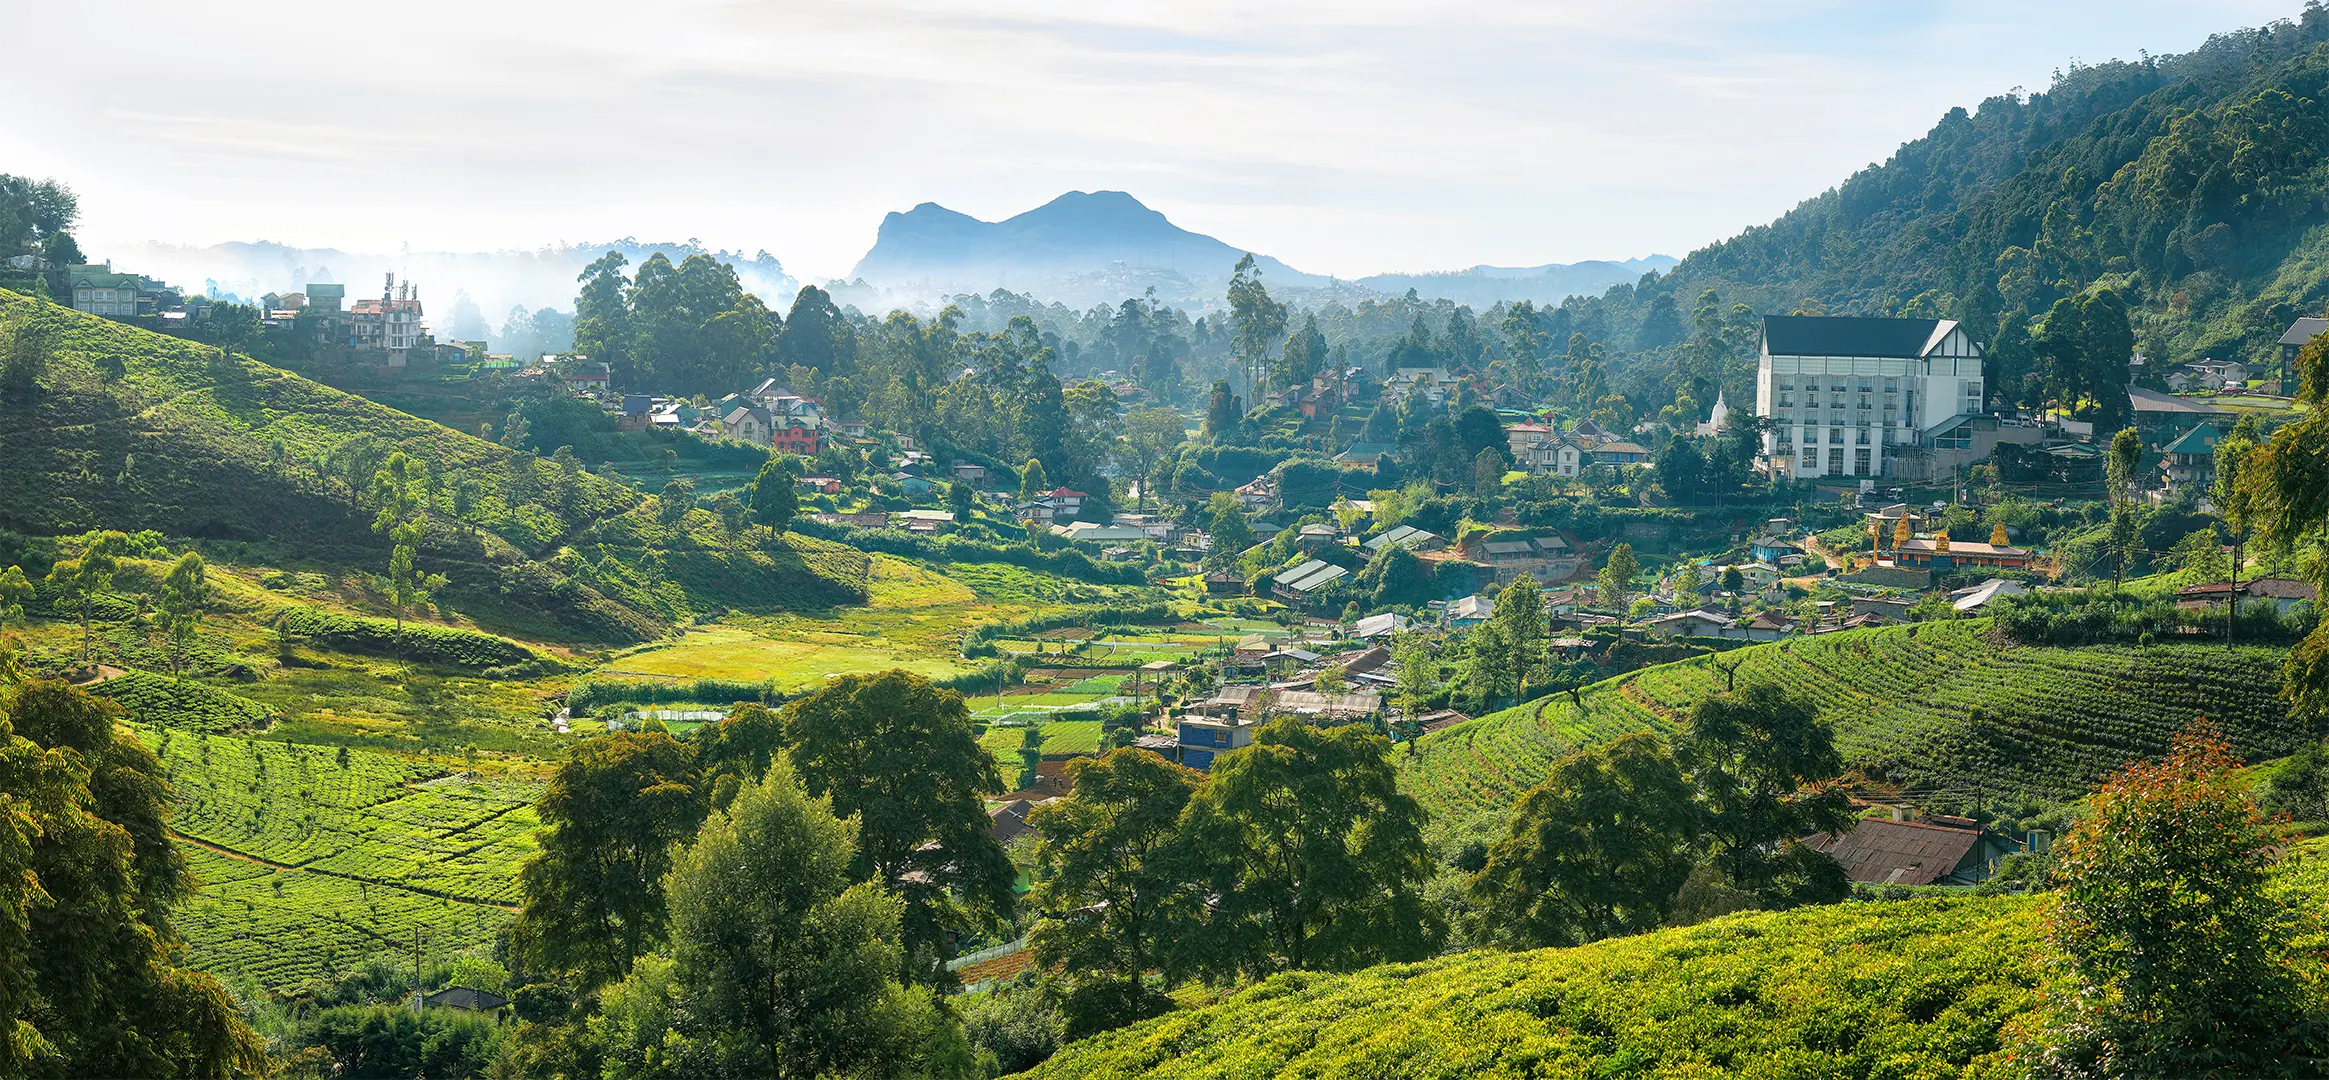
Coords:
318,858
1935,706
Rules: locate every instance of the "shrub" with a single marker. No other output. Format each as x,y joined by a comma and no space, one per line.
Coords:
147,698
380,637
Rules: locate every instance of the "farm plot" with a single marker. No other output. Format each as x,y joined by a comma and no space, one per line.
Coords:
279,929
1061,738
1935,707
404,835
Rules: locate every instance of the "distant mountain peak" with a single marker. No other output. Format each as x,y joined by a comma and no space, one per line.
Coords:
1065,244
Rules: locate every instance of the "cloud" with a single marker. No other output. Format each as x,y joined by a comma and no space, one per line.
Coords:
1345,137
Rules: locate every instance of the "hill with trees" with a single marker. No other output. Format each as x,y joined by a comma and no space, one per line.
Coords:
110,426
1947,711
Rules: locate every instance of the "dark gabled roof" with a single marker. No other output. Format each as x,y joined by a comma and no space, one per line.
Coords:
463,997
2304,330
2152,401
1898,852
1821,335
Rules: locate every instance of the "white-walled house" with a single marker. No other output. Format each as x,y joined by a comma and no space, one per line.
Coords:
1847,395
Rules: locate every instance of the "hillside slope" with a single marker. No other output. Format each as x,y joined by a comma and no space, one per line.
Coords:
2195,185
1936,707
1915,988
1921,988
135,430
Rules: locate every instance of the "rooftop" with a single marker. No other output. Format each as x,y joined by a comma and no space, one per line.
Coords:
1821,335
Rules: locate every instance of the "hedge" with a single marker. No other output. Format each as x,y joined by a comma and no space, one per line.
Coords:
1069,564
147,698
380,637
592,693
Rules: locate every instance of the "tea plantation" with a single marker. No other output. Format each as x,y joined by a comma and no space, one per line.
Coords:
1938,707
316,858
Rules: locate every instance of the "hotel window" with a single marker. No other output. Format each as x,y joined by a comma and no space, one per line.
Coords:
1836,459
1867,385
1859,462
1891,384
1811,458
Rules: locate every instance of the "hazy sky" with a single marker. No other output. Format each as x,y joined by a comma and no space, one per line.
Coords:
1346,137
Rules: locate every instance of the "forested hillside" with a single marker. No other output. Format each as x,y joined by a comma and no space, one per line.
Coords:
2192,185
117,427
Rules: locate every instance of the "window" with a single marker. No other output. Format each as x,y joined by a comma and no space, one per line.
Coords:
1867,385
1860,462
1787,384
1836,459
1891,384
1811,458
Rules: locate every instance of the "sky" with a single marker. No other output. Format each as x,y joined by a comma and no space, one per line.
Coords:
1346,137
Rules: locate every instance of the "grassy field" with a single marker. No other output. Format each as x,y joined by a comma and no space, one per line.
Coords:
728,652
914,619
1935,706
317,858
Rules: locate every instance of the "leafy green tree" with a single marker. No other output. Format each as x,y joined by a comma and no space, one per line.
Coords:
2125,540
2172,957
960,499
1150,438
2124,459
783,962
2201,557
1761,760
1418,676
594,892
676,499
1597,850
88,879
15,592
775,494
1491,672
1520,609
899,753
1616,580
1113,897
185,599
1034,482
1314,859
1222,413
1225,523
602,314
80,580
1260,321
26,343
2286,501
393,1040
1689,584
2084,344
1044,428
816,334
1488,469
568,482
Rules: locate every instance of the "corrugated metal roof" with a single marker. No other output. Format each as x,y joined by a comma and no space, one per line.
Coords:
1898,852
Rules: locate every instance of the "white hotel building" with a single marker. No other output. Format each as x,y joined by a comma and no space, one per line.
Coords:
1847,396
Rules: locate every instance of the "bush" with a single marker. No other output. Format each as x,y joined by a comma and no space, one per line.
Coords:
380,637
1071,564
591,694
146,698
